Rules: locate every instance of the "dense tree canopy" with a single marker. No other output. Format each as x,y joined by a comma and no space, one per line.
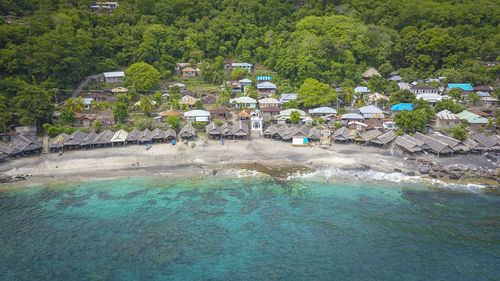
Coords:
54,44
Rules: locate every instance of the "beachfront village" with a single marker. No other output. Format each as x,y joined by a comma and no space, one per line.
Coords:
136,107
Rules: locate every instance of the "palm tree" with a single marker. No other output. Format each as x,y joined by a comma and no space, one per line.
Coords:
95,106
145,104
75,105
349,95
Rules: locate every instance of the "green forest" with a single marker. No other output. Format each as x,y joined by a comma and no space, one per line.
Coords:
53,44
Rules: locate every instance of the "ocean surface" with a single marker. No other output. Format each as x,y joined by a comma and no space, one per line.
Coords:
247,229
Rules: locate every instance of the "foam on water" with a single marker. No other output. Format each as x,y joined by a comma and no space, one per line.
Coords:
372,176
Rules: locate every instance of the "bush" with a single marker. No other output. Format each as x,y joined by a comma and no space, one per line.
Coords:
173,121
198,104
199,125
294,117
464,123
459,134
67,115
337,125
342,111
97,126
400,132
218,122
54,131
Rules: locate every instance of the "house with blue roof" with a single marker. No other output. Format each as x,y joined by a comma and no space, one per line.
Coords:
402,106
466,89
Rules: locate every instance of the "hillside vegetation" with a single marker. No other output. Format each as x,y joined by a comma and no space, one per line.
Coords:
54,44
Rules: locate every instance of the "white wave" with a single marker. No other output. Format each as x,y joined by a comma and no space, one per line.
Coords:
385,177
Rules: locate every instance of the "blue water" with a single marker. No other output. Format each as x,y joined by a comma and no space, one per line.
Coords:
244,229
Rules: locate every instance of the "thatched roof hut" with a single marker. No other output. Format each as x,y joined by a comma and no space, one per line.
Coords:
484,142
213,130
451,142
353,134
104,138
278,132
226,130
370,135
58,141
134,135
270,131
409,143
89,139
301,132
5,149
470,143
434,145
187,132
286,132
170,134
240,129
21,143
145,136
341,134
314,134
158,134
385,138
75,138
120,136
495,138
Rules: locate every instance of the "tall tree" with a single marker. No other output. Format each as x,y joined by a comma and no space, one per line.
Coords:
120,111
312,93
34,106
142,76
5,115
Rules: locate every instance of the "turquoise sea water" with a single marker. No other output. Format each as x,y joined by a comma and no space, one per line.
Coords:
246,229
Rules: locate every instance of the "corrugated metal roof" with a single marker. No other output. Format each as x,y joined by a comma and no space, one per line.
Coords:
266,85
241,64
472,118
287,112
246,80
370,109
361,89
430,97
288,97
352,116
323,110
260,78
269,101
114,74
402,106
244,100
197,113
465,87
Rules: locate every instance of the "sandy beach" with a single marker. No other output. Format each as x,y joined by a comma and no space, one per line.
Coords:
201,158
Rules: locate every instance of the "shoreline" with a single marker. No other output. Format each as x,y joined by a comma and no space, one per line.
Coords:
277,159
